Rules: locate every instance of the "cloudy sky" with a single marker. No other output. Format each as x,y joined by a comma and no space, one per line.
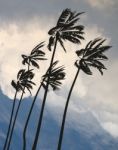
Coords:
23,24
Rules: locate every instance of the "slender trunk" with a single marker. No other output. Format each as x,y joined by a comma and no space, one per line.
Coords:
10,138
13,107
65,112
28,118
43,103
29,115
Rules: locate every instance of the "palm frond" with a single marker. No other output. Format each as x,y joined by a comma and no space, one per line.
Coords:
56,76
37,49
92,55
85,67
20,73
51,42
66,29
23,80
64,17
36,54
35,64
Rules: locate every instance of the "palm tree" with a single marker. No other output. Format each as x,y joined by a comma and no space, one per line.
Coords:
31,59
90,56
36,54
65,29
56,76
21,77
23,81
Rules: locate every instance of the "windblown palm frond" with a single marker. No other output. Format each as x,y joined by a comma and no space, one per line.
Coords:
56,76
23,80
36,54
92,55
66,29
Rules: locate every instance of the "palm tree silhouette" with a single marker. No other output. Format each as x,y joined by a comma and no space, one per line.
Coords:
31,60
18,87
23,81
90,56
65,29
56,77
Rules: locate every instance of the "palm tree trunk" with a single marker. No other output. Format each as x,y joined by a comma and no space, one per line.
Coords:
65,112
27,121
13,107
44,100
10,138
29,115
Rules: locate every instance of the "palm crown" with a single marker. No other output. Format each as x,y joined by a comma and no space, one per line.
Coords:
56,76
36,54
23,80
66,29
92,55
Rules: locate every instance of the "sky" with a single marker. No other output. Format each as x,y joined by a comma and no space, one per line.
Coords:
23,24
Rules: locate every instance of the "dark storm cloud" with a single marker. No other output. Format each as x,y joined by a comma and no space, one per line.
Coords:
26,9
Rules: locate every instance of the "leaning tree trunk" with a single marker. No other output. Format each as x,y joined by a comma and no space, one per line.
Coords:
10,138
11,118
29,115
43,104
28,118
65,112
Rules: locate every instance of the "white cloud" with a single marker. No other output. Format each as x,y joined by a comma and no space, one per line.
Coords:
101,4
111,127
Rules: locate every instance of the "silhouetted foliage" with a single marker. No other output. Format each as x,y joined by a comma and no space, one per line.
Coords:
92,56
23,80
36,54
66,29
56,76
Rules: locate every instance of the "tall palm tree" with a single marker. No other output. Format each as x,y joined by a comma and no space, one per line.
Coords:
56,77
18,87
90,56
65,29
35,55
23,81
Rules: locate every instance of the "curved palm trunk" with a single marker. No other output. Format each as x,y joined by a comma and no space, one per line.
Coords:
29,115
28,118
43,104
10,138
65,112
13,107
